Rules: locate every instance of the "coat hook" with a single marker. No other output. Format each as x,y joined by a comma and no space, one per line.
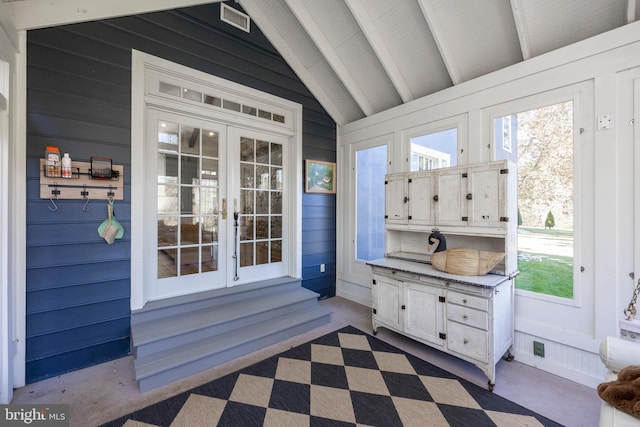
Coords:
54,193
85,197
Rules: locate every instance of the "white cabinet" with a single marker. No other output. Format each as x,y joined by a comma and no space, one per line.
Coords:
396,199
460,196
470,318
488,196
449,203
473,206
402,304
387,297
423,312
409,198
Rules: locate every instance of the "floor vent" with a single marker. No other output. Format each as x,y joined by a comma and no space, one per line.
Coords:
234,17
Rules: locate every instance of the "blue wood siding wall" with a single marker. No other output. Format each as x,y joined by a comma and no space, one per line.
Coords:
78,98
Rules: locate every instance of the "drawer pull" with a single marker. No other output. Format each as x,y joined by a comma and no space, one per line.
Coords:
464,301
466,341
465,317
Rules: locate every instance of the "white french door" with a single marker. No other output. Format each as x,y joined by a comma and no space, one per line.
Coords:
258,172
187,187
214,206
215,170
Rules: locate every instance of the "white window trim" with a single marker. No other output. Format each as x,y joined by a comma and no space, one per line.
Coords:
582,109
144,65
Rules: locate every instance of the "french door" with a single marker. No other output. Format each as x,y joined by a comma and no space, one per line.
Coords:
215,204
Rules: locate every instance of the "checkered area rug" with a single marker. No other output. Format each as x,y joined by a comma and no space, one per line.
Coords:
345,378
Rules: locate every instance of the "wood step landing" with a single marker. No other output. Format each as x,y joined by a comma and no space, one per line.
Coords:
178,337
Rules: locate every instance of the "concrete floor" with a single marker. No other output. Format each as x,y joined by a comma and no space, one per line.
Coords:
107,391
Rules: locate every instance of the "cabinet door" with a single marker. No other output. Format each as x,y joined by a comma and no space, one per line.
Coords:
421,191
423,312
386,301
487,206
451,191
396,199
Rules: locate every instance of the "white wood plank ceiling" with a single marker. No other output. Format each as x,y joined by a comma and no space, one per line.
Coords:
360,57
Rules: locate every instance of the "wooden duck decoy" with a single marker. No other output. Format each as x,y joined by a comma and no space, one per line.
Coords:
461,261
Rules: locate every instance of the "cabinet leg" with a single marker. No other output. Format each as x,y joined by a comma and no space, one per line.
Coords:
509,357
490,386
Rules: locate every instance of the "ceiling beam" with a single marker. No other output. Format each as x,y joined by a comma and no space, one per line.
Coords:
517,9
446,52
272,33
631,10
329,53
33,14
359,11
8,28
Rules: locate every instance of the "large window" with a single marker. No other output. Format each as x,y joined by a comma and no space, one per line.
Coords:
434,150
541,142
371,167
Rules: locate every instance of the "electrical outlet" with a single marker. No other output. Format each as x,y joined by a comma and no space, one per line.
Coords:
538,348
605,122
322,268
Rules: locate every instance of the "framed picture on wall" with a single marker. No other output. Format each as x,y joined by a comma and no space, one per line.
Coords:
320,177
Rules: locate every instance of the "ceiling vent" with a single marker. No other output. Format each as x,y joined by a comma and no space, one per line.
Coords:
234,17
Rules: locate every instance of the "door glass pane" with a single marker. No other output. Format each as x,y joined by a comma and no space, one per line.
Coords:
261,178
167,263
246,175
167,136
189,231
167,230
276,178
541,142
434,150
276,154
167,199
262,252
190,140
189,260
262,227
276,202
247,148
246,254
190,172
276,251
276,227
246,202
371,167
210,143
209,258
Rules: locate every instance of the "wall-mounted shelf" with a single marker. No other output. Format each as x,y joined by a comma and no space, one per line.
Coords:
81,185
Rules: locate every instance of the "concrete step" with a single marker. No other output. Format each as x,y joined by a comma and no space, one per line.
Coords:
181,329
168,307
170,365
178,337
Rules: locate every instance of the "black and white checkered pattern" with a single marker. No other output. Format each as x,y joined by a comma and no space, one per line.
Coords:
345,378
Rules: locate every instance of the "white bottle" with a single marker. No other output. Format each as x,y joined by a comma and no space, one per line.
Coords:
66,166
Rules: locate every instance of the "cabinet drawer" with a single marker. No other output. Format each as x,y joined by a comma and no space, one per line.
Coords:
396,274
468,316
467,301
468,341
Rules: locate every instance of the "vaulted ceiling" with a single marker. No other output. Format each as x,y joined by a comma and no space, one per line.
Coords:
360,57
